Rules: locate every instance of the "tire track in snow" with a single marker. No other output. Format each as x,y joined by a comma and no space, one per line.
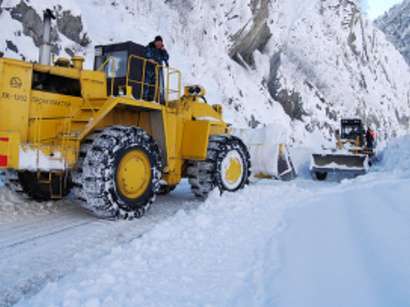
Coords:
44,248
48,234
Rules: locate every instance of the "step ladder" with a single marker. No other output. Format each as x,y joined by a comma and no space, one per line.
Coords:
57,182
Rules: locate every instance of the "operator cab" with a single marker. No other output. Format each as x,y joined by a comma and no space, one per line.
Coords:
123,63
353,129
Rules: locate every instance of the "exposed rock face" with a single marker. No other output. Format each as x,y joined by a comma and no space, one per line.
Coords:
252,36
11,46
396,25
32,26
72,27
290,100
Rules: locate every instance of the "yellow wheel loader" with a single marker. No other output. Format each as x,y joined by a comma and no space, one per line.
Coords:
94,132
351,157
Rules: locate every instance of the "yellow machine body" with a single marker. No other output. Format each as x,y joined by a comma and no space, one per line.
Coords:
46,112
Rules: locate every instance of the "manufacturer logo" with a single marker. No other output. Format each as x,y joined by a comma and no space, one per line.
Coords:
16,82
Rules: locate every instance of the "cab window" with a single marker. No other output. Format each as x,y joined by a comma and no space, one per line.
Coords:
117,63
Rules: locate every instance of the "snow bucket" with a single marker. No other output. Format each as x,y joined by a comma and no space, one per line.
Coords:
269,153
346,164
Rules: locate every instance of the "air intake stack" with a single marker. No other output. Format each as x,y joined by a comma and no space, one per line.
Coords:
45,48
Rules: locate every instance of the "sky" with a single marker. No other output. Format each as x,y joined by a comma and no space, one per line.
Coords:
375,8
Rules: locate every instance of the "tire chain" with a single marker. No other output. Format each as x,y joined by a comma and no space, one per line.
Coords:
97,157
203,176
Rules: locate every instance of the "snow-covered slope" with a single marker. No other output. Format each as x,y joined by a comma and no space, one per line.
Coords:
336,64
396,25
304,64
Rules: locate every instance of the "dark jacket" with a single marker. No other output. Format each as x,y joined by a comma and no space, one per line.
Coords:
371,138
160,56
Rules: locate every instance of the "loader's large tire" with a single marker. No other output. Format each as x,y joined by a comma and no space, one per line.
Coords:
30,186
320,176
226,168
118,173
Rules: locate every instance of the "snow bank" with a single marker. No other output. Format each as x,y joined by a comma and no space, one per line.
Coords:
396,156
348,247
13,207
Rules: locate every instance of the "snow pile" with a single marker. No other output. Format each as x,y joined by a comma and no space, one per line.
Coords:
302,64
13,207
396,156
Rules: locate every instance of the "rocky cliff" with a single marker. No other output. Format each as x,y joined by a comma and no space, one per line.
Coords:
396,25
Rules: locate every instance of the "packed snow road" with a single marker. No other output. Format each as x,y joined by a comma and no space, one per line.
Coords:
350,248
293,244
40,243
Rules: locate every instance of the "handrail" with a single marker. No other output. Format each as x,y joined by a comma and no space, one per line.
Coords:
142,83
155,89
158,79
169,90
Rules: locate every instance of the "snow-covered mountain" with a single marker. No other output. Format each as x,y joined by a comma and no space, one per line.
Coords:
396,25
336,64
302,63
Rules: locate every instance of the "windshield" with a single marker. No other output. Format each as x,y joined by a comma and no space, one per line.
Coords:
352,130
116,66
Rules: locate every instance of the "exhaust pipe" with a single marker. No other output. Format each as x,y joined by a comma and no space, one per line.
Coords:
45,48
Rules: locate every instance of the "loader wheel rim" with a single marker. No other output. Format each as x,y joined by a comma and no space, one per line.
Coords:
232,168
134,174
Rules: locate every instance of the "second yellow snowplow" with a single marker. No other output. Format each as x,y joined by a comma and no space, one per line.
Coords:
351,157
